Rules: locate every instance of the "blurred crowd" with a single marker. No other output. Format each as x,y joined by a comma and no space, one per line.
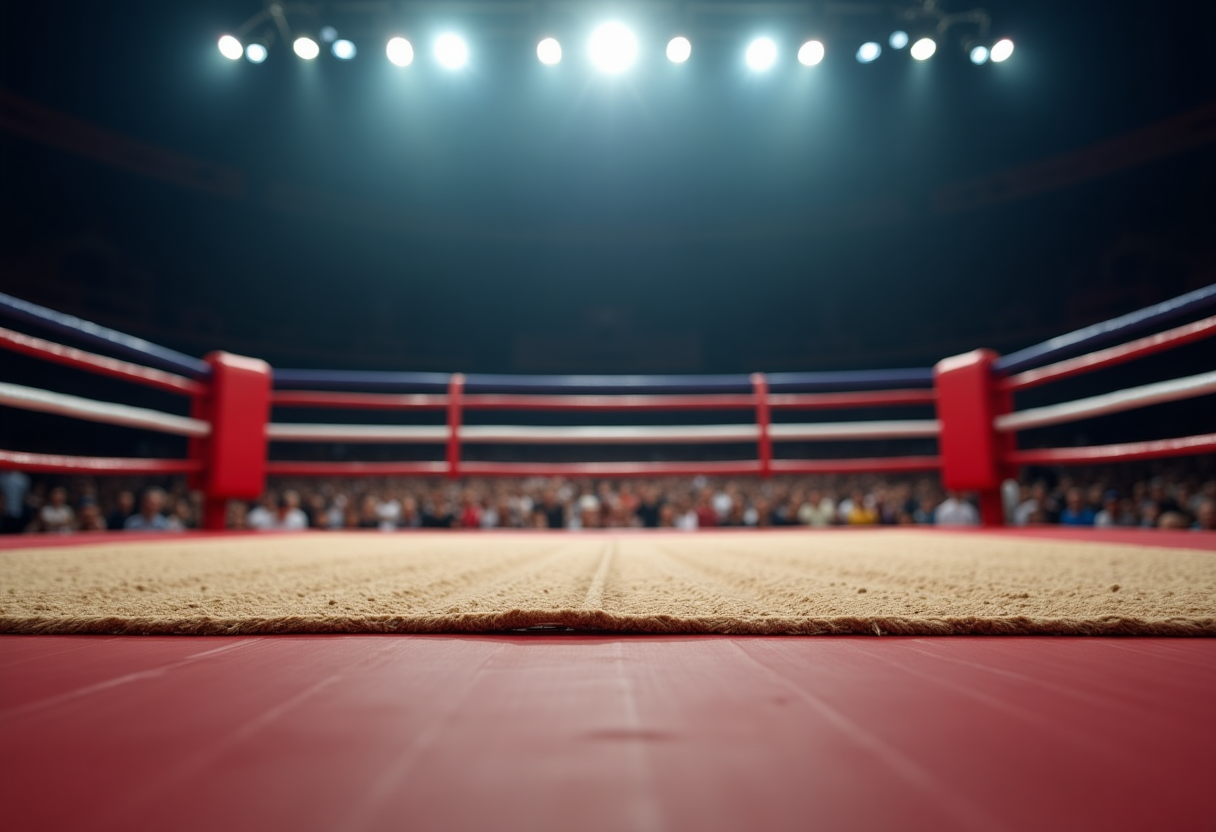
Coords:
56,504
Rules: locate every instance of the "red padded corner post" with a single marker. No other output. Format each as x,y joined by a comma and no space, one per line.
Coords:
764,441
237,404
455,419
972,452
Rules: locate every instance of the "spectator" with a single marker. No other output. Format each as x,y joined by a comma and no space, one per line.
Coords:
955,511
117,519
57,516
14,485
861,514
261,516
1076,512
1112,513
437,514
90,519
818,510
290,517
1205,515
149,518
650,508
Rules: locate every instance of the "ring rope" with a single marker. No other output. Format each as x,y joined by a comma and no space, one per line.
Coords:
1108,403
97,465
103,365
566,402
1111,356
573,435
1122,452
44,401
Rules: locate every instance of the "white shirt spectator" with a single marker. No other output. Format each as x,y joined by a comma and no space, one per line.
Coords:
956,512
1022,514
60,519
389,513
821,514
260,518
294,520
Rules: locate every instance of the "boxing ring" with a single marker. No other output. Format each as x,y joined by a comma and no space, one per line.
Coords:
969,404
543,731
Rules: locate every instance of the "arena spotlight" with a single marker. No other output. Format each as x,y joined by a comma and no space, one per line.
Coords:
898,39
306,48
549,51
679,50
810,53
255,53
761,54
613,48
1001,50
923,49
343,49
979,55
868,52
328,34
400,52
231,48
451,51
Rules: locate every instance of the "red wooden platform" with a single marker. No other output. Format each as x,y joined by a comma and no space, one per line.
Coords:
577,732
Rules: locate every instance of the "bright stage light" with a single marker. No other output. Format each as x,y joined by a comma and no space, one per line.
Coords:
868,52
549,51
898,39
810,53
343,49
255,53
451,51
231,48
1001,50
761,54
923,49
400,52
306,48
679,50
979,55
613,48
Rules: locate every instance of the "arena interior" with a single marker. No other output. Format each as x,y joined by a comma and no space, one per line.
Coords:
527,415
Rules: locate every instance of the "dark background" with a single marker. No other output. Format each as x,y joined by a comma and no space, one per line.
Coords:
519,218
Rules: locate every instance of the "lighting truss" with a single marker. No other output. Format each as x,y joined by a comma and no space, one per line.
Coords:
365,27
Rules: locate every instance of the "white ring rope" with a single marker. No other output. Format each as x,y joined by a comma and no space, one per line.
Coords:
283,432
1120,400
828,431
44,401
599,434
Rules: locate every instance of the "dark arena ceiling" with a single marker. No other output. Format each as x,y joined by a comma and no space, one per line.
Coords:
512,216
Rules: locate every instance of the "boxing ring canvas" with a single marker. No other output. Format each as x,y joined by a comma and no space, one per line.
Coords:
646,688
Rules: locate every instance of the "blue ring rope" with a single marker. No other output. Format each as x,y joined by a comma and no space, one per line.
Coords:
1107,332
109,340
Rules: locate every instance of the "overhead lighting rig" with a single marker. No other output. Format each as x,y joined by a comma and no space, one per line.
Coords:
808,31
